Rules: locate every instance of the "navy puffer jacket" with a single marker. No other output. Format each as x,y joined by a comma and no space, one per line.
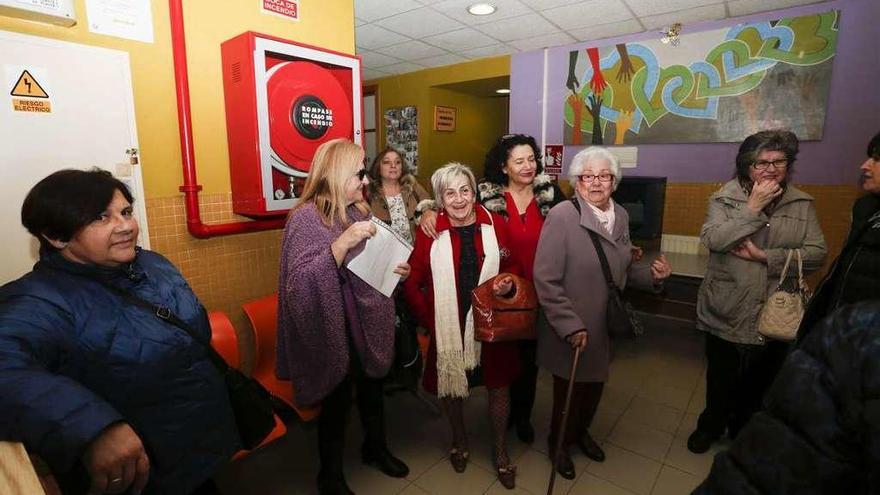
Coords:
75,358
820,430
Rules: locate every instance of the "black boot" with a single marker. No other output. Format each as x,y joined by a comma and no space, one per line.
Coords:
374,451
333,487
562,459
331,480
380,458
590,448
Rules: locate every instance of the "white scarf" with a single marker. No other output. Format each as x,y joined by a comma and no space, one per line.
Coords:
456,355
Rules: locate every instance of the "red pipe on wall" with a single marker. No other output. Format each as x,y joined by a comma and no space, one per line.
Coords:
190,187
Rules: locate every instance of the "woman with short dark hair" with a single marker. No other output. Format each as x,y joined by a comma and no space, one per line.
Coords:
752,223
110,395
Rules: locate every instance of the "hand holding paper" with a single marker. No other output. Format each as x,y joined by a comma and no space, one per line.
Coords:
383,260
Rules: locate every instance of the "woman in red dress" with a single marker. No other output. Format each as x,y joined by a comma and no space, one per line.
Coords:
516,188
471,247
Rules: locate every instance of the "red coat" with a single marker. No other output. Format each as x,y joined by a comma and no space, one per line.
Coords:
499,361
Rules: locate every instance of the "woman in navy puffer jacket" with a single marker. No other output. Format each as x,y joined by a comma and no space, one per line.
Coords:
112,397
820,430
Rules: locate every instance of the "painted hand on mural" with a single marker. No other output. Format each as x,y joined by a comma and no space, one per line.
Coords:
751,74
572,82
624,74
624,122
784,77
808,87
595,108
597,82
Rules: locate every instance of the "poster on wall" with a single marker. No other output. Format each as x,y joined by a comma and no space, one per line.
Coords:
402,133
553,160
713,86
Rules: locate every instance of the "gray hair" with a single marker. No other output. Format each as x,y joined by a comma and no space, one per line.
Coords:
445,175
580,160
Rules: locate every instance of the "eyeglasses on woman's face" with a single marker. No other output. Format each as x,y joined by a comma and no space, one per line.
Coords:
361,174
765,164
589,178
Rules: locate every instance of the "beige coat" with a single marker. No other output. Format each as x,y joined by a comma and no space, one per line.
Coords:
734,290
572,290
412,193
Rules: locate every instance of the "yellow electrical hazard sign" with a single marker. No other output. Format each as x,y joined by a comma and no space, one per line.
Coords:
28,87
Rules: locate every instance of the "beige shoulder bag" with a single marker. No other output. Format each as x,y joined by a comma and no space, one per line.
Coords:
782,313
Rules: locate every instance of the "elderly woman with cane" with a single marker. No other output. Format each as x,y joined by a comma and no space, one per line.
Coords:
573,292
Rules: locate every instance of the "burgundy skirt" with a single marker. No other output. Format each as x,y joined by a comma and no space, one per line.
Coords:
499,362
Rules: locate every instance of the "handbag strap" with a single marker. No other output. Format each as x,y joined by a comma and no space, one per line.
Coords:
163,313
603,260
800,270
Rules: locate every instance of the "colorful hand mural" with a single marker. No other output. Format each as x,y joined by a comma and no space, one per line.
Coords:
715,86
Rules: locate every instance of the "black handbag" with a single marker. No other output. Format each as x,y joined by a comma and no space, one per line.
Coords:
252,405
620,317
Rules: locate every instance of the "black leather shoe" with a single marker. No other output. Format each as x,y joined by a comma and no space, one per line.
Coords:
591,449
700,441
333,487
524,431
565,466
381,459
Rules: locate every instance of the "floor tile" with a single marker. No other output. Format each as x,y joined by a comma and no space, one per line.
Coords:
687,426
641,439
533,473
627,470
591,485
674,482
413,489
366,480
659,416
667,395
443,480
696,464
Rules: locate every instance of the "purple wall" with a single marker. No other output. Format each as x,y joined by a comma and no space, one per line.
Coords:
853,105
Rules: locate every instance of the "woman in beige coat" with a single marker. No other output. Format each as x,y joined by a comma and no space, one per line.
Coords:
752,223
573,294
394,193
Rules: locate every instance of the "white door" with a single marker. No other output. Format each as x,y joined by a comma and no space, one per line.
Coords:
81,116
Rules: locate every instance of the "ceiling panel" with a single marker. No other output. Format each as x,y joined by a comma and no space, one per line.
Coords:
420,23
397,36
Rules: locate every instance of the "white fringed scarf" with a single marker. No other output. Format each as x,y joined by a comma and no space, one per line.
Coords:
457,354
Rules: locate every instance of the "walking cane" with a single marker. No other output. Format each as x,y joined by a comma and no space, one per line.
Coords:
564,419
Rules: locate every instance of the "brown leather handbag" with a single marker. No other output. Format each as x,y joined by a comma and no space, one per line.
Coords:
500,319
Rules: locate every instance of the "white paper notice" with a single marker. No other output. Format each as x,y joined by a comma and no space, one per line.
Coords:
376,263
129,19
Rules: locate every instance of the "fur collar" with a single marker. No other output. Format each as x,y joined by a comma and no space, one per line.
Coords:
492,195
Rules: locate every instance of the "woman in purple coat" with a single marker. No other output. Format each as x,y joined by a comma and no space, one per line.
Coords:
574,294
335,331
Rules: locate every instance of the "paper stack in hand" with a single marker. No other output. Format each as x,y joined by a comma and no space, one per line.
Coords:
382,253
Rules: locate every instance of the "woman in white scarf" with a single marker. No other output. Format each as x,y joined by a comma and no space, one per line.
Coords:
470,249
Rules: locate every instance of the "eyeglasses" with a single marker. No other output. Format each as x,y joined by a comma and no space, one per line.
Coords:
589,178
361,174
451,194
777,164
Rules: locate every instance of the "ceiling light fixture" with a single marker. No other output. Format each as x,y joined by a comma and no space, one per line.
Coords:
481,9
670,34
503,91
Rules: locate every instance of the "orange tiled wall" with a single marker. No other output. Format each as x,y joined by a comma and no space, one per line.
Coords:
223,271
686,203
